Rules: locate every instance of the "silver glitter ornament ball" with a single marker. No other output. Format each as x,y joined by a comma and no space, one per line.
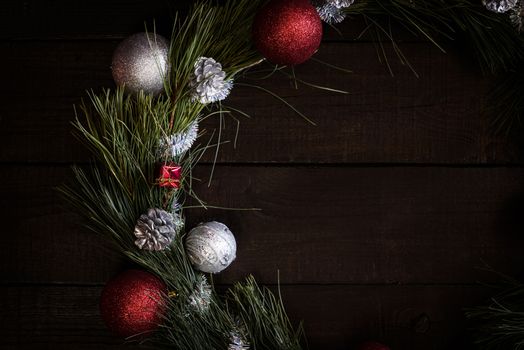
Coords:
140,62
211,247
500,6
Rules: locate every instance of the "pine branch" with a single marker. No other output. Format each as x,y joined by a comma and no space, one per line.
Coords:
495,42
264,316
500,324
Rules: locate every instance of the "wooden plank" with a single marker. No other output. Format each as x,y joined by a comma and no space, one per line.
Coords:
60,19
405,317
437,119
317,225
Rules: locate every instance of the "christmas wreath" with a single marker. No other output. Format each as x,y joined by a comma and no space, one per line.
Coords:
144,137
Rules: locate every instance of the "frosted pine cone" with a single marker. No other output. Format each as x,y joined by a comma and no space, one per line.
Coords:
238,338
179,143
499,6
156,230
331,14
332,11
209,81
237,342
340,3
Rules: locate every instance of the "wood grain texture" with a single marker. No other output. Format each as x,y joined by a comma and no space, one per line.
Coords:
317,225
405,317
378,218
98,19
435,119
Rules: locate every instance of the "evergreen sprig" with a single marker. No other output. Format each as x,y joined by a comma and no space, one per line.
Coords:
123,133
491,37
500,324
259,309
496,43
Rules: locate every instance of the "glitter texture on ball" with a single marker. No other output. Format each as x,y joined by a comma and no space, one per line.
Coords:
132,303
211,247
287,32
140,62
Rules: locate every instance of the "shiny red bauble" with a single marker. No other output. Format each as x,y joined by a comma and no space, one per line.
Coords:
287,32
132,303
371,345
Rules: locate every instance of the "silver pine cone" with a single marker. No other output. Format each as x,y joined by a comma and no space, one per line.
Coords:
331,14
155,230
332,11
209,82
499,6
340,3
238,337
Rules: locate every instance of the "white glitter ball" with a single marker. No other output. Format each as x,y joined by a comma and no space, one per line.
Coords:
211,247
140,62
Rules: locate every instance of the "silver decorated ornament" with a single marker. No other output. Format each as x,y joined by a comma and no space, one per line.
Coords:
209,83
211,247
157,229
500,6
178,143
140,62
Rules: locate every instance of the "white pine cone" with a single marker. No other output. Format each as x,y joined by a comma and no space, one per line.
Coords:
156,230
238,337
209,81
339,4
499,6
330,13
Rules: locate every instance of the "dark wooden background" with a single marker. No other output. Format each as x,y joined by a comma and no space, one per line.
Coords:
379,219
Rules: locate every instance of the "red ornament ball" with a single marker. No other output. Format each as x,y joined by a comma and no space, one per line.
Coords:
371,345
287,32
132,303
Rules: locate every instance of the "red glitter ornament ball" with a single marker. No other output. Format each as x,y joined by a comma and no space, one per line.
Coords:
131,303
287,32
371,345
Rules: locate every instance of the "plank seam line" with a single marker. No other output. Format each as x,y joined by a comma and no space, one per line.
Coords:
220,285
297,164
